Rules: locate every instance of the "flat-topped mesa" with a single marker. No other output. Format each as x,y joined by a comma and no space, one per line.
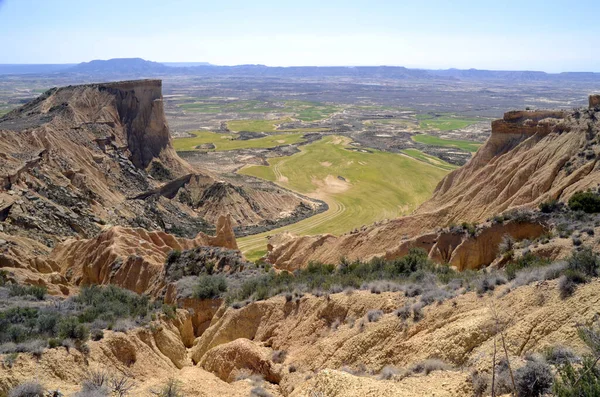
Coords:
141,110
526,122
594,101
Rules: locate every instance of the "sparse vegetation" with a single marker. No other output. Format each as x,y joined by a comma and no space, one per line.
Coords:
210,287
28,389
171,389
437,141
34,328
534,379
588,202
575,380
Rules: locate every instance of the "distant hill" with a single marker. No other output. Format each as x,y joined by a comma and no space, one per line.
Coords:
120,66
185,64
133,68
33,68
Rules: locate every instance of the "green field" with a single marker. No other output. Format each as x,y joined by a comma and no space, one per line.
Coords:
302,110
444,122
360,188
419,155
216,106
268,126
437,141
310,111
225,142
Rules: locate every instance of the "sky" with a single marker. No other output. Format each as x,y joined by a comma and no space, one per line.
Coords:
550,35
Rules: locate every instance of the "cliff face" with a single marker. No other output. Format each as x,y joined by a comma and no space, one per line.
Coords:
531,156
140,110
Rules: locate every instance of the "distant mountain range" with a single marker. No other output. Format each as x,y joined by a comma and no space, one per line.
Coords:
137,68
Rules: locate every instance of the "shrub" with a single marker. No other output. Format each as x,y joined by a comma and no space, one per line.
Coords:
10,359
428,366
560,355
171,389
480,383
97,334
388,372
534,379
71,328
588,202
507,244
210,287
170,311
258,391
549,206
488,282
278,356
417,310
525,261
37,291
404,312
566,286
27,389
173,256
584,261
374,315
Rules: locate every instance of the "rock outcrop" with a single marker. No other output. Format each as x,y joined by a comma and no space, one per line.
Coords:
531,157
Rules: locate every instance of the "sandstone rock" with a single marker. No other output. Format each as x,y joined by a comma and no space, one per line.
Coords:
594,101
228,360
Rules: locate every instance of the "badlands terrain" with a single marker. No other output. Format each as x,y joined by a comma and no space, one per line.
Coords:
205,241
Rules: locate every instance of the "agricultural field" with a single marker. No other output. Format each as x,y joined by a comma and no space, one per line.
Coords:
444,122
267,126
419,155
360,187
301,110
437,141
311,111
234,106
224,142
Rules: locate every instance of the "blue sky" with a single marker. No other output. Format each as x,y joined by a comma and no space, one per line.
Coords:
546,35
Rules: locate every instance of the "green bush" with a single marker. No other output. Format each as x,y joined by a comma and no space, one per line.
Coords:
210,287
585,201
526,261
549,206
37,291
585,261
71,328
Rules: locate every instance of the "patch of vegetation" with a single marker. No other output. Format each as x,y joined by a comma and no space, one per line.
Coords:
550,206
223,106
433,140
33,328
419,155
159,171
311,111
583,379
171,389
210,287
201,260
444,121
260,125
588,202
28,389
376,186
528,260
322,277
224,142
